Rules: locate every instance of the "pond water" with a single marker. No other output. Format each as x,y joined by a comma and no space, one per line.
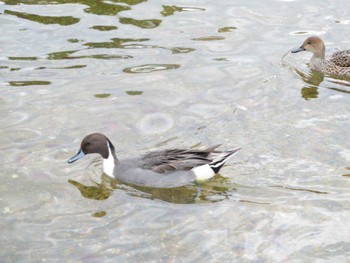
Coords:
156,75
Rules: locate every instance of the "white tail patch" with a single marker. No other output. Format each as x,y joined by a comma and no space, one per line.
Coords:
207,171
203,172
108,164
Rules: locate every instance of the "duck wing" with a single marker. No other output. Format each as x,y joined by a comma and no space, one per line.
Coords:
177,159
341,58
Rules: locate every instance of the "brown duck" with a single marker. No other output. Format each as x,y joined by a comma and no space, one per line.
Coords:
337,63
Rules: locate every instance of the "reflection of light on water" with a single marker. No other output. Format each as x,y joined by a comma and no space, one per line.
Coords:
261,223
134,92
300,189
310,32
343,22
170,10
143,23
99,214
227,29
209,38
178,50
150,68
104,28
28,83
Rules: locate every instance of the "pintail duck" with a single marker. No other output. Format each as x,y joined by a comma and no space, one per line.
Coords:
163,169
338,63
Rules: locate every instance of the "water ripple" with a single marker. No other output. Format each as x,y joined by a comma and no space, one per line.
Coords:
68,55
115,43
150,68
208,38
47,20
28,83
227,29
145,23
155,123
170,10
104,28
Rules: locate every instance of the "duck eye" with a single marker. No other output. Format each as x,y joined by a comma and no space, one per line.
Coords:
309,43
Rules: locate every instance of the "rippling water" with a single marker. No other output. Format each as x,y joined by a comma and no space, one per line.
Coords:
154,74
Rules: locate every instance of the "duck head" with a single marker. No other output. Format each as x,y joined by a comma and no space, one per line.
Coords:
314,45
94,143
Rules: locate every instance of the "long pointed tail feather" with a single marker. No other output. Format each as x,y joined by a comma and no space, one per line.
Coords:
219,162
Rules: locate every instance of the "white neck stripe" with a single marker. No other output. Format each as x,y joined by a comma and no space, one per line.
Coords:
108,164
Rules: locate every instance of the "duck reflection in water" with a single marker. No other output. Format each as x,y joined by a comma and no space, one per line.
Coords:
213,191
313,80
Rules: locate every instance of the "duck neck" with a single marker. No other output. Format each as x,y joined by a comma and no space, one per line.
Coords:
320,54
111,161
315,60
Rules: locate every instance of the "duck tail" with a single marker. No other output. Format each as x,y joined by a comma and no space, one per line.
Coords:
221,159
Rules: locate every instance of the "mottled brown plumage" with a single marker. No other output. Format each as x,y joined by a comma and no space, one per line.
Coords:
338,63
341,58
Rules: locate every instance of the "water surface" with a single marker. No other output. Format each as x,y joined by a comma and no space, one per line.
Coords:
155,75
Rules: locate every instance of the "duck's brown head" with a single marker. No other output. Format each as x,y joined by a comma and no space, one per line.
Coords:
314,45
94,143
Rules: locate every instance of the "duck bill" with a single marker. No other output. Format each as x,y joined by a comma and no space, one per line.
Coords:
298,49
76,157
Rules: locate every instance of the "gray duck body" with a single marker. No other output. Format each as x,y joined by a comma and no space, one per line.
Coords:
163,169
133,171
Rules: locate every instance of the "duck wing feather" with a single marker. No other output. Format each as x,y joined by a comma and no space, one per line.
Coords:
341,58
167,161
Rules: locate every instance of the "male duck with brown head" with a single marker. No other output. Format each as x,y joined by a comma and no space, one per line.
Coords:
338,63
164,169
